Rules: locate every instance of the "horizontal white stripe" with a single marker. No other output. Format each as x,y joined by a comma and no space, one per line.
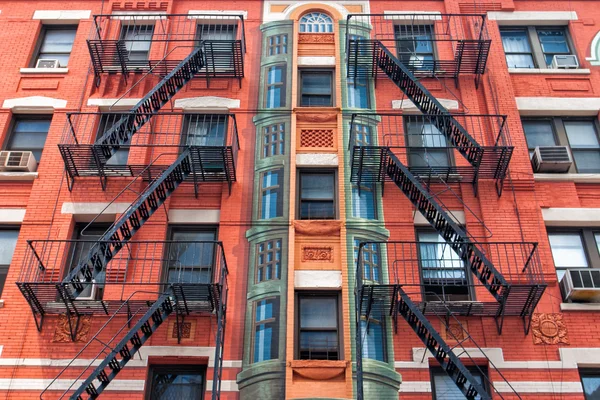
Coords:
503,387
130,385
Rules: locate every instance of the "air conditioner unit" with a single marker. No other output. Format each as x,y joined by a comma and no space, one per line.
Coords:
23,161
565,61
47,63
581,285
551,159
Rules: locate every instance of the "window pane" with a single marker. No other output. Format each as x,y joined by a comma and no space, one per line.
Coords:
29,135
597,237
58,41
539,133
587,161
568,250
8,242
582,134
591,386
363,202
275,75
315,83
317,186
515,41
553,40
373,340
446,389
168,383
318,312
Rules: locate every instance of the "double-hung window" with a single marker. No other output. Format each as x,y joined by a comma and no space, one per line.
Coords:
318,327
266,329
574,248
580,135
275,96
137,40
427,145
534,47
190,255
317,195
444,387
177,382
86,236
415,46
316,88
205,130
29,134
107,122
8,242
272,194
56,43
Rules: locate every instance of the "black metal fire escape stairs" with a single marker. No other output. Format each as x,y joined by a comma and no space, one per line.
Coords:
121,232
387,166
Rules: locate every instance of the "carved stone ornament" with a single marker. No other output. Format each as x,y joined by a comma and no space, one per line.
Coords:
317,227
315,38
186,330
455,331
62,333
317,253
549,329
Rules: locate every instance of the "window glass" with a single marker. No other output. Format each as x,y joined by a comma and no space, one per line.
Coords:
428,146
597,238
371,260
316,89
358,89
29,135
137,40
268,264
266,330
363,201
517,48
216,31
57,44
318,328
317,195
276,87
316,22
415,46
553,41
539,133
273,140
373,338
585,146
8,242
567,251
86,236
190,259
271,194
206,130
362,135
107,122
445,388
591,384
177,382
277,45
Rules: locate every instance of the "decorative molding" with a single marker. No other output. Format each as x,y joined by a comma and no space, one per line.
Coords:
318,227
320,38
207,102
318,370
310,117
34,103
455,331
61,16
532,17
317,253
561,106
317,61
62,332
548,328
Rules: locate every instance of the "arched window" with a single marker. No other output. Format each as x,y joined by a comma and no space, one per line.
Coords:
316,22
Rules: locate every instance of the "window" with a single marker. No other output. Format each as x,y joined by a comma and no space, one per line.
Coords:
574,248
317,195
373,337
107,121
56,43
29,134
86,236
318,327
190,255
272,194
362,135
137,40
580,135
266,330
277,44
205,130
371,260
276,86
364,201
316,88
444,388
443,272
427,145
219,49
8,242
517,48
273,140
268,260
534,47
177,382
216,32
590,379
316,22
415,46
358,89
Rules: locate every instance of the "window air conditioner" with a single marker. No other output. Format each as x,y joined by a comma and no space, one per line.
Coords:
47,63
581,285
23,161
565,61
551,159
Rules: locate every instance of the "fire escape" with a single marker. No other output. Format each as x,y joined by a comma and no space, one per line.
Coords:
142,282
432,282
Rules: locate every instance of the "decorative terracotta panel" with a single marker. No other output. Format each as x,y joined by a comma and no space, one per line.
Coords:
315,38
317,253
548,328
62,332
317,138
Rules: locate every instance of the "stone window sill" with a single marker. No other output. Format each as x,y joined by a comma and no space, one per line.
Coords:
18,176
577,178
580,306
578,71
44,70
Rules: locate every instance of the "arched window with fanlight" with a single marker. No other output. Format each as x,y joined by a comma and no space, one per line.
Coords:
316,22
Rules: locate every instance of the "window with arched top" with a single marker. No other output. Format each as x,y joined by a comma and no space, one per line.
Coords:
316,22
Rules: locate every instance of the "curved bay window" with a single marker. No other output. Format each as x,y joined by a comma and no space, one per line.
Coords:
316,22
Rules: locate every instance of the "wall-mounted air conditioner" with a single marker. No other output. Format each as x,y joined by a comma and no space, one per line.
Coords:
551,159
47,63
565,61
581,285
23,161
